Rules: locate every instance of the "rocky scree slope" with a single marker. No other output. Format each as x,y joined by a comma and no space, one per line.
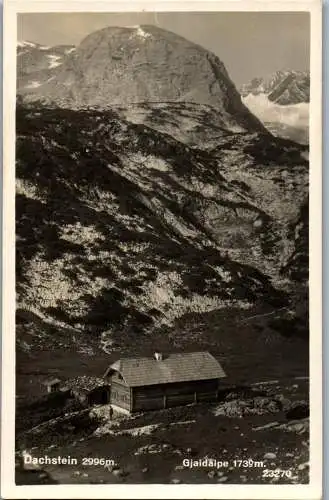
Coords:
123,228
117,65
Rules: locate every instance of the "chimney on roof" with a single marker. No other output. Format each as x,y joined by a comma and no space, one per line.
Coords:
158,356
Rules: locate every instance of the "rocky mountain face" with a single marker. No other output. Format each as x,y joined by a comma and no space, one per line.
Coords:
283,87
116,66
146,193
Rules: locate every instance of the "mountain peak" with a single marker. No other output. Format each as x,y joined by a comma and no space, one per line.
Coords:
118,66
282,87
142,33
281,102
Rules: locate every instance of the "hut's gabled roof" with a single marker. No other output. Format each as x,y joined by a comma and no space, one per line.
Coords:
182,367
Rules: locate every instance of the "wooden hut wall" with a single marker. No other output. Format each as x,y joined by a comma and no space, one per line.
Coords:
206,390
148,398
176,394
120,395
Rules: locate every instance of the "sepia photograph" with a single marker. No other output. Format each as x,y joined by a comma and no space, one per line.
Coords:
162,273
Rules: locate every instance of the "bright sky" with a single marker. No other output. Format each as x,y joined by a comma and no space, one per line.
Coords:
249,43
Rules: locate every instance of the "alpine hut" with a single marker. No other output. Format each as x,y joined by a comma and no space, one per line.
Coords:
139,384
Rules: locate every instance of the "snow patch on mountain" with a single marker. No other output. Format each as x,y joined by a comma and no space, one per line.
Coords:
54,61
23,43
143,34
295,115
139,32
33,85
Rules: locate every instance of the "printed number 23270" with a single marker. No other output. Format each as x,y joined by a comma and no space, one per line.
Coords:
271,473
